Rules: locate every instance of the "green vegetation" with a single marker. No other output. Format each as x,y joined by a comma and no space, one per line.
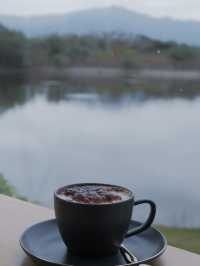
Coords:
183,53
12,49
7,189
188,239
106,50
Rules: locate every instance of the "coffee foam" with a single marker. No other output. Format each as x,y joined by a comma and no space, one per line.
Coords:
94,194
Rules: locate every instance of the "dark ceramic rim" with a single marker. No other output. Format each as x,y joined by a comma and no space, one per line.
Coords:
29,253
129,192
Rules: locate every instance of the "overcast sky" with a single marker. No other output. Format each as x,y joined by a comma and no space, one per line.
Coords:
182,9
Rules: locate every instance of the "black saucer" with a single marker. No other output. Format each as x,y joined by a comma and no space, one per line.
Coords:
42,242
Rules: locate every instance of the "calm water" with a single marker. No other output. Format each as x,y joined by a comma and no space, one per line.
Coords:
144,136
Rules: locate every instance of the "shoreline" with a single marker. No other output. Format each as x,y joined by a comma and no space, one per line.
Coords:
80,72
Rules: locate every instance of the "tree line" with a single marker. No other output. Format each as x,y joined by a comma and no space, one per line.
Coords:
109,50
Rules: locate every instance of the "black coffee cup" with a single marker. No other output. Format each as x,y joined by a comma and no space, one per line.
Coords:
97,229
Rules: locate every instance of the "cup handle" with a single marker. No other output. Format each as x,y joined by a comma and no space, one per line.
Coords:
149,220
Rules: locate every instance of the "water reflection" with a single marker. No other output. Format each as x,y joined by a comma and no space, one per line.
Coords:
53,133
12,92
17,90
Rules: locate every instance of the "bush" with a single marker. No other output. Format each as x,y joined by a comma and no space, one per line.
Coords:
182,53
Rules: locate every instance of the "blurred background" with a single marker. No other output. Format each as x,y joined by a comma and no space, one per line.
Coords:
104,91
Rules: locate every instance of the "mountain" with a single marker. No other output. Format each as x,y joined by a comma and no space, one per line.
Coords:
112,19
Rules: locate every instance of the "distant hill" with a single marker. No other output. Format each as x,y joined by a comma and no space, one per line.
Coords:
112,19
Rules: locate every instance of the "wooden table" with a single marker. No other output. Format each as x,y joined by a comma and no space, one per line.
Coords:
16,216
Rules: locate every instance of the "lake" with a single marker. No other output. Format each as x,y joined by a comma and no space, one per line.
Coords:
143,134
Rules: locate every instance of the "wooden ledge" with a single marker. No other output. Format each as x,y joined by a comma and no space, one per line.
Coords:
17,215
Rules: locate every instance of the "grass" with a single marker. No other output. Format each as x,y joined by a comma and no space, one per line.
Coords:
188,239
8,190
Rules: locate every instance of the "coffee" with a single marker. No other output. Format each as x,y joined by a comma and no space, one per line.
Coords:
94,194
93,219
